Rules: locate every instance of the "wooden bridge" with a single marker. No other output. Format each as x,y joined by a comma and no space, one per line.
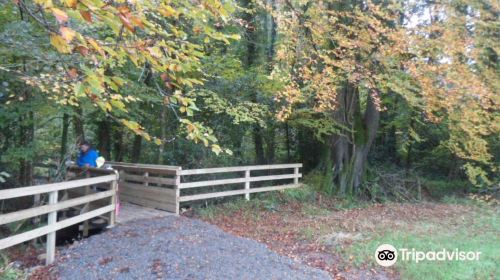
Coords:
126,192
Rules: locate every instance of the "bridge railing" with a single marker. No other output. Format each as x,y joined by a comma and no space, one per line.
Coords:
165,187
289,172
149,185
54,205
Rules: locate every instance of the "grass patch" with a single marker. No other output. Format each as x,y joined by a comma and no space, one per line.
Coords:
8,272
478,231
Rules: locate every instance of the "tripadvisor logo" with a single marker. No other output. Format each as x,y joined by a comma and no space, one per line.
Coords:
387,255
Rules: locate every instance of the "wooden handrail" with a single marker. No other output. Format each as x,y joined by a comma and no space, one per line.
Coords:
239,168
236,192
237,180
117,163
151,169
247,179
54,205
44,209
26,191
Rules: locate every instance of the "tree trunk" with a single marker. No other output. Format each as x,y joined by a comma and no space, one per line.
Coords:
136,149
104,138
26,138
350,149
287,135
259,145
118,144
163,132
78,125
271,145
64,137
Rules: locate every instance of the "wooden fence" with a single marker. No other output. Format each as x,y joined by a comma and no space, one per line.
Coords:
54,205
246,179
149,185
165,187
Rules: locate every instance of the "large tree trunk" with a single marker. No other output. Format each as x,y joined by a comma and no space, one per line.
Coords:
350,149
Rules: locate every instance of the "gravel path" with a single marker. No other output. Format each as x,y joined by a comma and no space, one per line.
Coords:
176,248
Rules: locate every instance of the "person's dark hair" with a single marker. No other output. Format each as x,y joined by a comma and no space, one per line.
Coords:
86,143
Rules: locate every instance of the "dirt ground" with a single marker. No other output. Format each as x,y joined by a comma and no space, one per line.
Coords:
301,232
316,238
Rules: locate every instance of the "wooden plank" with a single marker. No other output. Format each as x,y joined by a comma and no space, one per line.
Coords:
41,210
51,236
247,184
296,172
162,196
177,194
25,236
79,169
116,163
239,168
145,181
237,180
25,191
112,214
150,189
155,170
149,179
236,192
148,203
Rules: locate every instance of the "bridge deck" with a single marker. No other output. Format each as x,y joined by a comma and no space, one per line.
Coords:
129,212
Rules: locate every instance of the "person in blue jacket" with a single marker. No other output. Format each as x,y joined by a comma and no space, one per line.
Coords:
87,156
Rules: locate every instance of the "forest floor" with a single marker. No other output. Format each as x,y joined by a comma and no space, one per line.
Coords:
341,238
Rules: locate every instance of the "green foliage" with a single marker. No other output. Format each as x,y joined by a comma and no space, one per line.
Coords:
8,272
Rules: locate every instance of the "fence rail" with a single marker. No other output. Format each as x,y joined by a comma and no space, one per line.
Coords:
55,205
246,180
149,185
161,186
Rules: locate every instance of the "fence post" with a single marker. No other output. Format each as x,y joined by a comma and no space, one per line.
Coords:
146,183
51,237
296,173
86,208
247,184
112,214
177,191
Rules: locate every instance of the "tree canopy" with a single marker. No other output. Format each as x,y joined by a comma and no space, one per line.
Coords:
342,86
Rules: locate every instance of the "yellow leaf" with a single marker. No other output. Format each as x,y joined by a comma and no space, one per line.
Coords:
45,3
67,33
71,3
60,15
96,46
59,43
155,52
167,11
